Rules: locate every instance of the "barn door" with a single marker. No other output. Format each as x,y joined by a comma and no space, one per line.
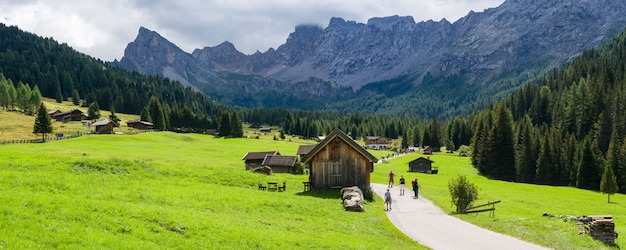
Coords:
335,171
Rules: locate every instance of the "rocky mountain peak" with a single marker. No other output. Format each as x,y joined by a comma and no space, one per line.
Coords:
517,36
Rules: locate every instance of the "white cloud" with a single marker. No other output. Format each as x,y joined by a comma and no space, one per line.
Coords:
103,28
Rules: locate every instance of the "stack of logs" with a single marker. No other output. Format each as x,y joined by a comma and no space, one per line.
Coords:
600,227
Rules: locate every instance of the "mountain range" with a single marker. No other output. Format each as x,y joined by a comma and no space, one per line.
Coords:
391,64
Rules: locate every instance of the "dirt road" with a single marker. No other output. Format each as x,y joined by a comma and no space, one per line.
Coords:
421,220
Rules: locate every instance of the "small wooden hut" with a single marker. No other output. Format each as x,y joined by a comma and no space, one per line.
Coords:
280,163
338,161
422,165
255,159
104,127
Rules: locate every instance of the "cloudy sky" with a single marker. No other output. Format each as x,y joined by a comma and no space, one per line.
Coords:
103,28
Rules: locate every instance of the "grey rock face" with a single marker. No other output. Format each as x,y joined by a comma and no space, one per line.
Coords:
516,36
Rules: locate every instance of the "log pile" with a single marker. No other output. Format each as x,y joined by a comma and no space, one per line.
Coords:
600,227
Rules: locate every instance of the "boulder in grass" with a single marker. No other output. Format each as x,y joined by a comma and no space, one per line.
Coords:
352,199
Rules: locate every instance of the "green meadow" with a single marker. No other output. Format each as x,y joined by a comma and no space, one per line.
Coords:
165,190
520,212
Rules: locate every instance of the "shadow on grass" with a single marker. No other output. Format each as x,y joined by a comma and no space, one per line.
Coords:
325,194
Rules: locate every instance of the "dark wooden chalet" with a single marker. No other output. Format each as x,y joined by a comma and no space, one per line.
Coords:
104,127
422,165
54,113
142,125
280,163
72,115
255,159
304,150
338,161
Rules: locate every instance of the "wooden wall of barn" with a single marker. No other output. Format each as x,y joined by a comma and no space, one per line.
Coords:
339,165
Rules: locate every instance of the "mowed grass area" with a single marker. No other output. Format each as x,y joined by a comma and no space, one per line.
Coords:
164,190
15,125
522,205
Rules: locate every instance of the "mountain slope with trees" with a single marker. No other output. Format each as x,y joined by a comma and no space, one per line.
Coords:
568,125
391,65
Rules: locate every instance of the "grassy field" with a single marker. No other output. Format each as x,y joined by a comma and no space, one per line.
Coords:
17,126
520,212
166,190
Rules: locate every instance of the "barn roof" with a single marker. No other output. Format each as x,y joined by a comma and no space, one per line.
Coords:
421,158
101,123
258,155
305,149
343,136
279,160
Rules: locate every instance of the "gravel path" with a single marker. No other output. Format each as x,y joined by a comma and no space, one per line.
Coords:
426,223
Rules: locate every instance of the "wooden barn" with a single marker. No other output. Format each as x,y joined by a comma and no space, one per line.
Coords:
72,115
422,165
338,161
142,125
104,127
303,150
280,163
255,159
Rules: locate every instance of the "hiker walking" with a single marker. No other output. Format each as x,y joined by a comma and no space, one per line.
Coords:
387,200
391,175
402,184
416,187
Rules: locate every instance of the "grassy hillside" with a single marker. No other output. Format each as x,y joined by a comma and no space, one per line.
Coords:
17,126
166,190
520,212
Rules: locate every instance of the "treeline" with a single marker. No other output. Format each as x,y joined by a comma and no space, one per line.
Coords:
61,73
20,97
57,71
565,129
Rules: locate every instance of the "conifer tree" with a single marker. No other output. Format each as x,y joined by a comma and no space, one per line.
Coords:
608,184
145,114
587,176
224,127
43,124
113,117
34,100
236,129
75,97
417,135
93,111
501,150
405,140
525,156
157,114
545,163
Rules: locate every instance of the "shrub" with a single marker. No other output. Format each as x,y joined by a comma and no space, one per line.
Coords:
368,194
465,150
298,168
463,193
263,170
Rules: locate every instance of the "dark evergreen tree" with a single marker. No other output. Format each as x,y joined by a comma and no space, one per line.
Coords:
224,127
433,135
59,96
608,183
618,162
545,162
113,117
93,111
501,150
588,176
157,114
75,97
145,114
236,129
43,124
417,135
525,153
405,140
